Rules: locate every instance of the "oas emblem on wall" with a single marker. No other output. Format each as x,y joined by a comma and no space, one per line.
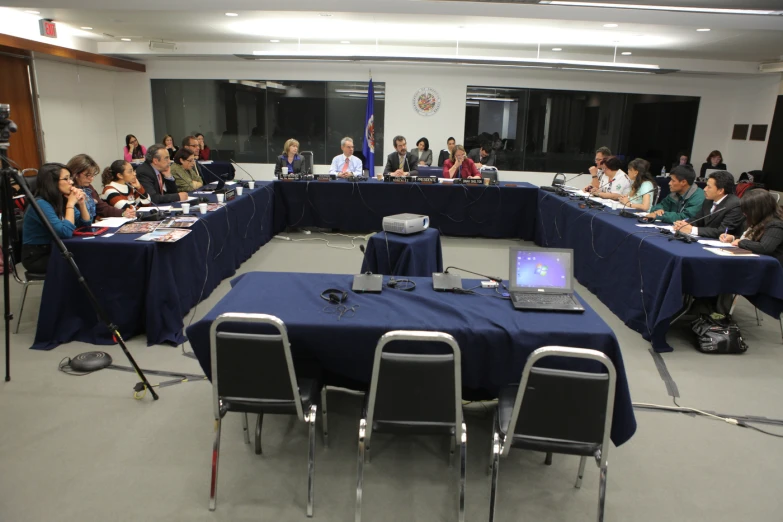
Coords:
426,101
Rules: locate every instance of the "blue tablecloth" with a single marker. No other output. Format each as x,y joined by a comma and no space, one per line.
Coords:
495,339
615,260
414,255
150,286
498,211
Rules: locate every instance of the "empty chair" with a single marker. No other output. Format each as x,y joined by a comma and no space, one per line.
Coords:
557,411
25,279
414,394
254,373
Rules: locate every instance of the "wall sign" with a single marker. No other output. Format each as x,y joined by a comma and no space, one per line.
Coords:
426,101
47,28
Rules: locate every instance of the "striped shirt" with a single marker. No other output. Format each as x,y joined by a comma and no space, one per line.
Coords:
122,195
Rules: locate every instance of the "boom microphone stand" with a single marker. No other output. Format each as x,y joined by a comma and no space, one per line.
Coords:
9,226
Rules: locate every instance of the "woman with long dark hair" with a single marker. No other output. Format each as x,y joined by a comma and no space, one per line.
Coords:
642,195
84,170
423,152
65,208
122,189
764,235
133,150
168,142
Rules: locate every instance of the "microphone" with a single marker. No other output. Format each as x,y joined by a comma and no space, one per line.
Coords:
688,238
406,163
496,279
243,170
708,215
459,171
623,213
217,178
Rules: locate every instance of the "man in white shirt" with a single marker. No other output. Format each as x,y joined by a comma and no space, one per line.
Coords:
597,170
346,165
613,183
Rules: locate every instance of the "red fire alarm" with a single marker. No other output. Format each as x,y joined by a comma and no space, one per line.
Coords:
48,28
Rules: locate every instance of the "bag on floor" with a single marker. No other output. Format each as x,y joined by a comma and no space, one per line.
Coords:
718,335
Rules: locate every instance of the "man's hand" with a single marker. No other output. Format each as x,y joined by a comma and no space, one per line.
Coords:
422,163
398,172
346,174
682,226
593,171
183,196
657,213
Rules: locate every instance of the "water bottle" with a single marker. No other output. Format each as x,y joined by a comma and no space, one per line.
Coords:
663,171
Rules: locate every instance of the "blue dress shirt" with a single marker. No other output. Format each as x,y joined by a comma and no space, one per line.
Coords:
354,165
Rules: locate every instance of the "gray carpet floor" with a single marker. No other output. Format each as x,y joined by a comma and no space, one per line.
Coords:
82,449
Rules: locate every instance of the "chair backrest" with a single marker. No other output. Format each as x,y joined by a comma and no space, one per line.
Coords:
307,163
490,172
565,405
416,389
252,367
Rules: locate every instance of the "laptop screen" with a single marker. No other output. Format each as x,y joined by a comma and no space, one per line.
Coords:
541,269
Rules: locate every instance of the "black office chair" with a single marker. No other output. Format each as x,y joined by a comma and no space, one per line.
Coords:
24,277
557,411
307,162
254,373
414,394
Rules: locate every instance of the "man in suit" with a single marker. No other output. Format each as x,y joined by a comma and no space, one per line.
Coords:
401,162
191,143
714,219
446,153
155,176
483,156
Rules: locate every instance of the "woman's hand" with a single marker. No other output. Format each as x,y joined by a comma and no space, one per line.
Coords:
136,184
130,212
735,242
73,197
624,200
726,238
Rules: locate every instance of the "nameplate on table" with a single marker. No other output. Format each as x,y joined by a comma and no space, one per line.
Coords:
323,177
289,177
230,194
396,179
474,181
427,179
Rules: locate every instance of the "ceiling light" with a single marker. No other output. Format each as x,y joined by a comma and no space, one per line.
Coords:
664,8
344,42
705,30
557,49
610,25
125,39
627,53
33,12
324,14
275,41
232,14
86,28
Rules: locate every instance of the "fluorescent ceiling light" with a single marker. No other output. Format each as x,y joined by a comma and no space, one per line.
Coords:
610,25
125,39
275,41
627,53
345,42
604,70
33,12
556,49
86,28
714,10
232,14
494,99
703,30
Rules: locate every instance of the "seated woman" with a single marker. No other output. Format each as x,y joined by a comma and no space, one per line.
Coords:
643,183
289,158
65,208
423,152
683,159
168,142
132,150
184,171
122,189
613,183
764,235
204,152
714,162
84,170
460,165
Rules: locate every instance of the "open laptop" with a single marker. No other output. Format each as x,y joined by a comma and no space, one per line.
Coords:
542,279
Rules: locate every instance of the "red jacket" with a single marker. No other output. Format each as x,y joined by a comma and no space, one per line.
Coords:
468,168
204,153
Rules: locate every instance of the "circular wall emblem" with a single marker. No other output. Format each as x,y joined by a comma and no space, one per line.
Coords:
426,101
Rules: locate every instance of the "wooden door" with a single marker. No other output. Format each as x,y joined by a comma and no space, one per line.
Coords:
15,90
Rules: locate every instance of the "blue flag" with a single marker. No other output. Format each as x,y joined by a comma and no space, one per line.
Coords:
368,144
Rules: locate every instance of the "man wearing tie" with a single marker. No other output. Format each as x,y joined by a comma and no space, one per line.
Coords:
346,165
155,176
712,218
401,162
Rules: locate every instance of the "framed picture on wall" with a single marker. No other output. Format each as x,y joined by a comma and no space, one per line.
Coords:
758,133
740,132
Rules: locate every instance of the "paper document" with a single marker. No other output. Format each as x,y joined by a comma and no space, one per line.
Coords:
207,162
652,225
161,208
715,243
731,252
113,222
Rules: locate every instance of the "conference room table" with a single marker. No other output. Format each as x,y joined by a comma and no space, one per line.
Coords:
495,340
641,275
507,210
150,287
408,255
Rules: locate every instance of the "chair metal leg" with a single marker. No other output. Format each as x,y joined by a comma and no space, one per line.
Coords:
259,425
463,467
311,461
245,429
602,492
548,459
21,307
758,318
215,455
581,472
323,417
687,305
781,325
495,465
733,304
452,448
360,471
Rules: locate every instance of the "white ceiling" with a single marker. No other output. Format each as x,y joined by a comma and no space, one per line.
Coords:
505,27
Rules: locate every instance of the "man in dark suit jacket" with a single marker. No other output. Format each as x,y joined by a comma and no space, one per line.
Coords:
713,219
155,176
401,162
483,156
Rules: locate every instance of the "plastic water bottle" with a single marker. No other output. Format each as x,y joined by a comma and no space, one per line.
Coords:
663,171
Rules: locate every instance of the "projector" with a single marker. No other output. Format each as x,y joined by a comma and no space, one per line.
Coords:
406,223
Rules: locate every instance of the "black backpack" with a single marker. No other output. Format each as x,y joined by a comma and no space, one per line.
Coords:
718,335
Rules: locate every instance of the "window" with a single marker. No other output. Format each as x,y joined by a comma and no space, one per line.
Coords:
250,120
559,131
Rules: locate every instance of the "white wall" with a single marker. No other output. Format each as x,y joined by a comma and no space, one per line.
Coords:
725,100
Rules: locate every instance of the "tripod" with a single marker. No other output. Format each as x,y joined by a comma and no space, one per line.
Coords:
9,228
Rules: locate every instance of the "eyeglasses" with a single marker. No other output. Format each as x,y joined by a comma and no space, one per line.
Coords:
65,179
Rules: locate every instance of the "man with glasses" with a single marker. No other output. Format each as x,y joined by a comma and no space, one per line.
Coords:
155,176
346,165
183,170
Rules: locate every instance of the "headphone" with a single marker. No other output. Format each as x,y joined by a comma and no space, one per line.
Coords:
334,295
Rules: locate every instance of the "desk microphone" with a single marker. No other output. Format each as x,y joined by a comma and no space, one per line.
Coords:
688,238
496,279
712,214
217,178
623,213
243,170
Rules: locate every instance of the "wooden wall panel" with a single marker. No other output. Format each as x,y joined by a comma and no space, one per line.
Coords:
15,91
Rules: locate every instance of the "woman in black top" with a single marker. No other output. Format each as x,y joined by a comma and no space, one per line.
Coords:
714,161
765,225
168,142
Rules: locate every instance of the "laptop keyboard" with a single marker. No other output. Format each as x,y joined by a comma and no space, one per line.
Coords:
564,299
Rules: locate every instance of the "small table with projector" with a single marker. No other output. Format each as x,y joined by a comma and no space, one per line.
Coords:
411,255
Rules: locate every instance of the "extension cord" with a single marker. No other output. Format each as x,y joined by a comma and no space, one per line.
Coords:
284,238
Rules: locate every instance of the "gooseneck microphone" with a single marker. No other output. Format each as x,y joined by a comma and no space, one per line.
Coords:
688,238
496,279
217,178
243,170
